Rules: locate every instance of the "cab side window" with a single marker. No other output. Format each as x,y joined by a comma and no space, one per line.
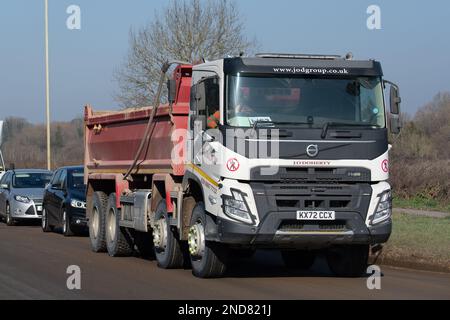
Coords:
205,98
211,102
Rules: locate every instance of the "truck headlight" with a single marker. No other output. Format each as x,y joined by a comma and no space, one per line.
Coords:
78,204
236,207
22,199
384,208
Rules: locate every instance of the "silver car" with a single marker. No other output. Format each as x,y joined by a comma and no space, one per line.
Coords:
21,194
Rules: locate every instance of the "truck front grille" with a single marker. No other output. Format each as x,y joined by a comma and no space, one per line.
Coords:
295,225
302,201
313,175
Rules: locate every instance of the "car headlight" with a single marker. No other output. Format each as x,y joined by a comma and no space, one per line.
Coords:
78,204
23,199
384,208
236,207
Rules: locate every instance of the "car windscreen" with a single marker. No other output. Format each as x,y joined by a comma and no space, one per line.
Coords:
31,179
75,180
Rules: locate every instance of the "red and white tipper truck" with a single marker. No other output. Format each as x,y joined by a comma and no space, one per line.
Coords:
276,151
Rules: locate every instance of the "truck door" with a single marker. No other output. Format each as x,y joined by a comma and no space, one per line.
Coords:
205,108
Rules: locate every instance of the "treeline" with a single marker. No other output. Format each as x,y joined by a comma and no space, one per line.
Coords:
25,144
420,158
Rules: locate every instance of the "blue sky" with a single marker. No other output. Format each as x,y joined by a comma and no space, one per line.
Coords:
412,45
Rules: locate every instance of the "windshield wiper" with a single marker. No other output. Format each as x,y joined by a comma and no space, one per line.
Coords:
343,124
290,122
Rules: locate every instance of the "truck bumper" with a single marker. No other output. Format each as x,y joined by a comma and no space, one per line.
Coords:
272,233
279,227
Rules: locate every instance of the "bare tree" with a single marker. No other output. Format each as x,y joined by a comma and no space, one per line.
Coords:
187,30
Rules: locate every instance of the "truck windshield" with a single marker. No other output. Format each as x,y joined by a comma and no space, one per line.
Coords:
314,101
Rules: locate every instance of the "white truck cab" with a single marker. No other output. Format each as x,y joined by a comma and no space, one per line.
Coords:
298,158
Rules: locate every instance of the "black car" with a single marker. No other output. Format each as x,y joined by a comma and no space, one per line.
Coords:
64,202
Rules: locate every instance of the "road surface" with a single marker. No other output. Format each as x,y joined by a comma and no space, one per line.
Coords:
33,265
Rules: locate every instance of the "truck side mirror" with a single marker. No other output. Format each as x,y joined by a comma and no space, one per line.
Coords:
4,186
395,123
394,105
171,90
395,100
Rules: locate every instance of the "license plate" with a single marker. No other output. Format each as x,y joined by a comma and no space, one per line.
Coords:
316,215
38,208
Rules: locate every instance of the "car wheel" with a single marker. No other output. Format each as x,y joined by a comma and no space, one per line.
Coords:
44,224
9,220
348,261
97,222
208,259
298,259
118,239
67,230
167,247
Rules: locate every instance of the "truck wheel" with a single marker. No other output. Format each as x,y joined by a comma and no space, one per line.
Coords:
298,259
9,220
208,259
45,226
118,239
348,261
97,221
167,247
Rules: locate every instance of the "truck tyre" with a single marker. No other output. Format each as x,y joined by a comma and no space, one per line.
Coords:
97,221
45,226
208,259
118,239
298,259
167,247
348,261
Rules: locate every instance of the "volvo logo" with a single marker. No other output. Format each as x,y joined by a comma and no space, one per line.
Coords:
312,150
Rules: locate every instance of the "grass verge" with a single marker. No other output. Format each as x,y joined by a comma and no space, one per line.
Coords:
421,203
418,242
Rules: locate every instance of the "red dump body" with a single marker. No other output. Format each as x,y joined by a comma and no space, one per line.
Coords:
112,138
